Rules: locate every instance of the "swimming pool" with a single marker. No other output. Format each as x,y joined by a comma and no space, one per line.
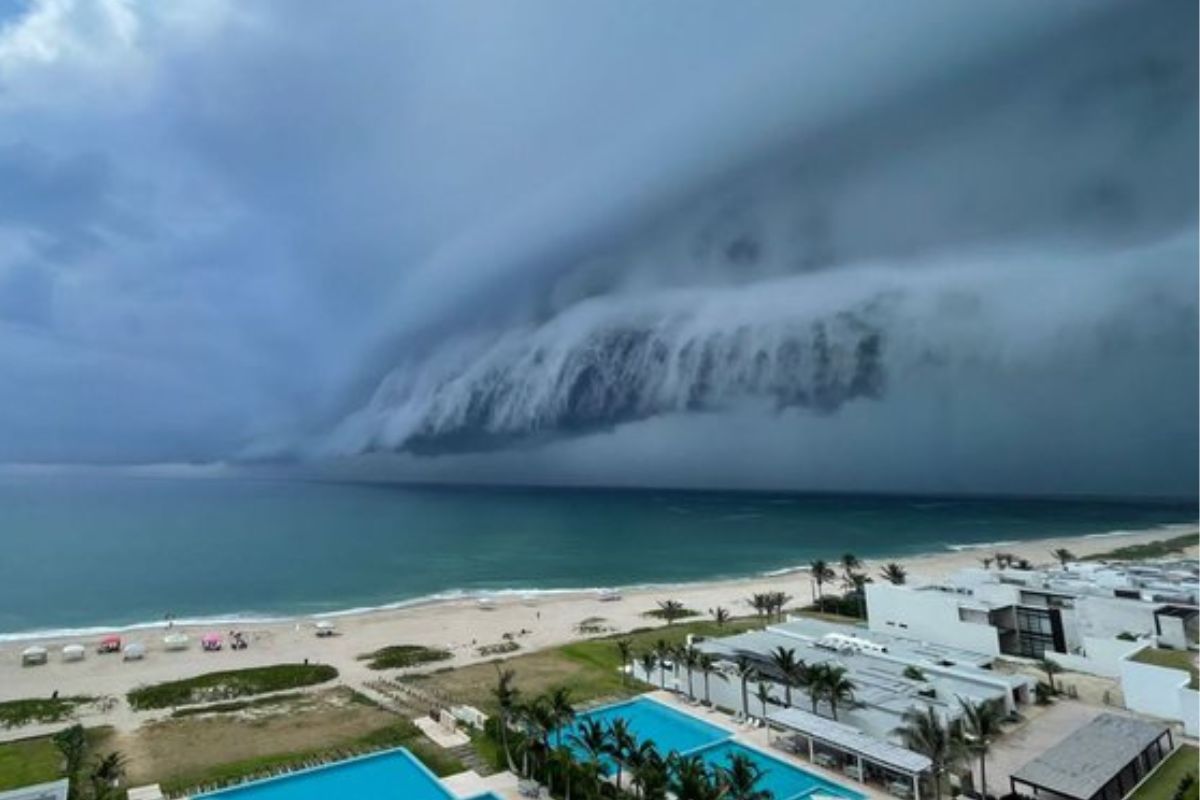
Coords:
780,778
670,730
390,775
674,731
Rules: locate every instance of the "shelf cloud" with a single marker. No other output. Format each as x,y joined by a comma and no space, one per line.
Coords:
777,245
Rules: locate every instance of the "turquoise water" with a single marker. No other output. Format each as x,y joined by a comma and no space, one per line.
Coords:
394,775
674,731
670,730
778,777
83,552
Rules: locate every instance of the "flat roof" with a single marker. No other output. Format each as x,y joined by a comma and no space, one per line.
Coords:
851,740
55,790
1083,763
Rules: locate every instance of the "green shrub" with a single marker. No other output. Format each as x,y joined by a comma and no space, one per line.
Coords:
399,656
229,685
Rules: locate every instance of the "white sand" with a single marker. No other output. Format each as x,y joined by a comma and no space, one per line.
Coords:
458,626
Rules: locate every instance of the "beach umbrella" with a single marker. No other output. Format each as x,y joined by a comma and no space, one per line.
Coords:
211,641
325,628
176,641
110,644
134,651
73,652
33,655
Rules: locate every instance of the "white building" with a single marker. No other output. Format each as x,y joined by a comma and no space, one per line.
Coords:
892,674
1089,617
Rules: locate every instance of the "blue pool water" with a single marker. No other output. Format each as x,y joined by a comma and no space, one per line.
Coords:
778,777
670,730
392,775
675,731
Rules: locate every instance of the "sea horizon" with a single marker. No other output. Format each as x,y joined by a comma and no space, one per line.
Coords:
270,548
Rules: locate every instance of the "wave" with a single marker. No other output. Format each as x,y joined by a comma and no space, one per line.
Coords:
982,545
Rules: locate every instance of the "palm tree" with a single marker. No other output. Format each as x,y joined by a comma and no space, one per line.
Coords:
763,695
738,780
666,652
923,732
690,779
720,615
858,582
645,766
688,655
894,573
538,720
648,661
812,680
625,650
785,662
562,710
836,687
1051,668
821,572
1063,555
506,698
671,610
621,743
759,603
745,671
850,563
594,739
106,775
707,665
566,762
982,723
72,743
987,561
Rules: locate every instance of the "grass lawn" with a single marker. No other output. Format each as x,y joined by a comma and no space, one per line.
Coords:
37,760
403,655
1173,659
14,713
1162,783
1135,552
588,668
229,685
240,740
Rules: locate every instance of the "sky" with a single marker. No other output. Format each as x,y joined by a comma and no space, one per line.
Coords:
934,247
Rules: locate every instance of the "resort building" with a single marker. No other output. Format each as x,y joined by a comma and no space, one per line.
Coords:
1088,617
892,674
1103,760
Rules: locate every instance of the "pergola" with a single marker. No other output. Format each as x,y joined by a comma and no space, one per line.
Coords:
1103,760
864,749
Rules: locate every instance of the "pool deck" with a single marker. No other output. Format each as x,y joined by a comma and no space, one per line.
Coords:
757,738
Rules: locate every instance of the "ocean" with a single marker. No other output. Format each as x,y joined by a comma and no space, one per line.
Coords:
88,552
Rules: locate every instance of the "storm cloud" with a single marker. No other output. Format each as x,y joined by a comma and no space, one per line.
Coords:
771,244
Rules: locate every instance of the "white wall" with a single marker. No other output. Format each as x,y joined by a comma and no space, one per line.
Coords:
1189,706
1157,691
1103,617
928,615
1102,656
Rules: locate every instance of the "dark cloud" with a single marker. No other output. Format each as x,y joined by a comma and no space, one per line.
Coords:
606,242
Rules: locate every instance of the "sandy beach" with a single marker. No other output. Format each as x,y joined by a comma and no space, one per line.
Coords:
459,626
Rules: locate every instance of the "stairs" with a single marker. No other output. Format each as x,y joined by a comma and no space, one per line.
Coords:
471,760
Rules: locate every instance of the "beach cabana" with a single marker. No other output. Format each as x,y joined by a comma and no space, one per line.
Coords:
176,641
73,652
211,641
134,651
325,628
109,644
33,655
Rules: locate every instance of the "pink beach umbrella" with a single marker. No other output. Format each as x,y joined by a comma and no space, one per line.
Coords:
211,641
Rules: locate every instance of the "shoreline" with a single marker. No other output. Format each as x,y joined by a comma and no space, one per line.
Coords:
454,595
461,627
